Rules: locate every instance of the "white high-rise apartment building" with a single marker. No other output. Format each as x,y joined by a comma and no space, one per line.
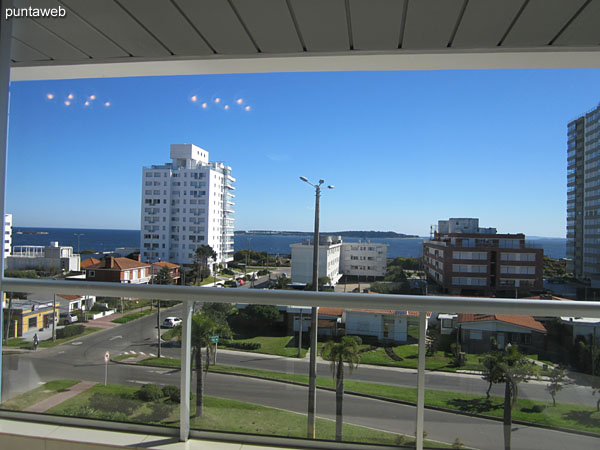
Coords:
8,220
185,204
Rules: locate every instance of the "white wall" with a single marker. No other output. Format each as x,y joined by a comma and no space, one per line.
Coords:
372,324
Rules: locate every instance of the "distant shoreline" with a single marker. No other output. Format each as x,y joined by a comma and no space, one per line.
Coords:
352,234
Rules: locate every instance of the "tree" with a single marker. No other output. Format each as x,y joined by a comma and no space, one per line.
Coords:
513,368
339,352
219,312
203,254
557,377
492,371
203,327
163,277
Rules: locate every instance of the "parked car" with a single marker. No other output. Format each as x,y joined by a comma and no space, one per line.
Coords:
67,318
171,322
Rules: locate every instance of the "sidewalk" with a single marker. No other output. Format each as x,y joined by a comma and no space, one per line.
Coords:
57,399
107,321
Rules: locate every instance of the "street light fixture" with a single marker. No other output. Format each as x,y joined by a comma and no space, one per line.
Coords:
312,371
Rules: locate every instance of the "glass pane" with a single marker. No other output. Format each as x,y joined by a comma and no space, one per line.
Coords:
99,359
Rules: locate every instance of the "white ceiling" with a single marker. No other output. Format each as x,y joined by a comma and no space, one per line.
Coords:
128,31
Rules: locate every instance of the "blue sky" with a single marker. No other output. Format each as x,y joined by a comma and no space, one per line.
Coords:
403,149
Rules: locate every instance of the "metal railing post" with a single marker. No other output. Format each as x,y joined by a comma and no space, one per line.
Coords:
421,380
5,42
186,372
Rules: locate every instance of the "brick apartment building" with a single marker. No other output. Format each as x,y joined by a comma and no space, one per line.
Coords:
464,259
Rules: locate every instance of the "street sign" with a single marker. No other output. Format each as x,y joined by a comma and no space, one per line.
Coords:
106,357
214,338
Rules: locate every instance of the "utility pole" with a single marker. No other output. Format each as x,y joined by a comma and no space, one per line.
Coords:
312,371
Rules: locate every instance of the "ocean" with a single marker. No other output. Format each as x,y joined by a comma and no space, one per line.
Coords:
108,240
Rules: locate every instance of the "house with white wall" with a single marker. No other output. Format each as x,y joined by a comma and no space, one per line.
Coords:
383,325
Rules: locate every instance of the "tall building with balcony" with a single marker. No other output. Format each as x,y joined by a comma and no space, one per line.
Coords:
464,259
8,220
583,197
185,204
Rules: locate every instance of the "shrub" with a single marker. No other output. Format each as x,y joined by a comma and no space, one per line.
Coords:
86,411
173,393
111,403
227,271
241,345
69,330
538,408
149,393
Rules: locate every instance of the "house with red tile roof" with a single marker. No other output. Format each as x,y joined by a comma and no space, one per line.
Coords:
119,270
479,331
156,267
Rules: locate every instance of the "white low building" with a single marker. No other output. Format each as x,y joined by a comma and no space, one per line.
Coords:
383,325
329,260
65,302
586,327
39,257
364,259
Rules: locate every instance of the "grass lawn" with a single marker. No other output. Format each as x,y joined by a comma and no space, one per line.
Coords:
565,415
36,395
86,331
166,362
229,415
136,315
17,342
122,357
274,345
240,417
409,355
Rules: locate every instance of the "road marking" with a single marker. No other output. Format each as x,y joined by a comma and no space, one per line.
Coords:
76,343
60,353
115,337
142,353
152,354
143,382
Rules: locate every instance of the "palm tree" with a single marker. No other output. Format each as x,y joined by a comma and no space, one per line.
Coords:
203,327
339,352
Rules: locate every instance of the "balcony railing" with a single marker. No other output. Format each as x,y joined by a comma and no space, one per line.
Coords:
358,408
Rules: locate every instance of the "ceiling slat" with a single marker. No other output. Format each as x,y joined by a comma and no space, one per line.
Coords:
485,22
38,37
376,23
114,22
270,24
166,23
219,24
22,52
585,29
75,31
323,24
540,22
430,23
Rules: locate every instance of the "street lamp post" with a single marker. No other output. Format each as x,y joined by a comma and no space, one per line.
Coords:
312,371
78,236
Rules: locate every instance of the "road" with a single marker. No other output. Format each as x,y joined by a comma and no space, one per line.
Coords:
83,359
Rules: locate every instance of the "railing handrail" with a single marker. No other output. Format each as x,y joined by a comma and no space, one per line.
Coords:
418,303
